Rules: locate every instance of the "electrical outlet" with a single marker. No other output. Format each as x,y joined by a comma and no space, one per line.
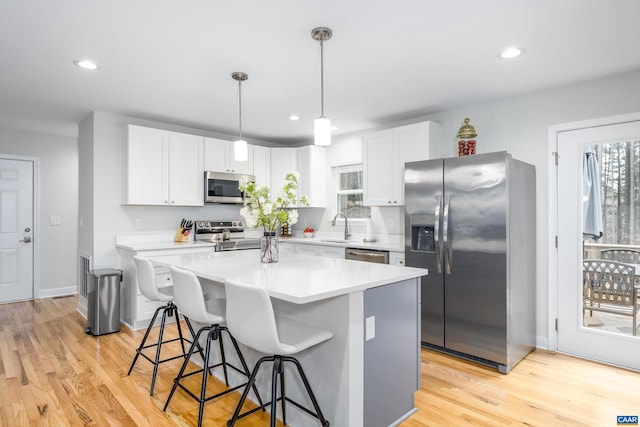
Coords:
370,328
55,220
137,223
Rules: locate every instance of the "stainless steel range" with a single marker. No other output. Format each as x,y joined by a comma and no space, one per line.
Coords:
228,235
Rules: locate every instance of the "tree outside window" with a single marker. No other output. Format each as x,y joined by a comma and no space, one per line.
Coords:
619,164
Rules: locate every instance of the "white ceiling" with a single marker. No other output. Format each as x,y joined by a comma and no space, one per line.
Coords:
171,61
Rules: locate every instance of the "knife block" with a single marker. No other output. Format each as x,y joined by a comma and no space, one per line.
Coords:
180,236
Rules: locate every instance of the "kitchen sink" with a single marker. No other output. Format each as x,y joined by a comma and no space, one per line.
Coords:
337,240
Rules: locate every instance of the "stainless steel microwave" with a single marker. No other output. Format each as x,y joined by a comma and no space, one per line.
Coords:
222,187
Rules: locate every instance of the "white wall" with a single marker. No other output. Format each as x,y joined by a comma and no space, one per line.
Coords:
58,191
519,125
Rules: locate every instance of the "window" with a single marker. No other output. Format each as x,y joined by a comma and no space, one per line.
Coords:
619,164
349,191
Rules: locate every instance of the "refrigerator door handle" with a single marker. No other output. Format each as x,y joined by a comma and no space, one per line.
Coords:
445,236
436,236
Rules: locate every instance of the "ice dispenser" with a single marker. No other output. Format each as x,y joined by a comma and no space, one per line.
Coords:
422,233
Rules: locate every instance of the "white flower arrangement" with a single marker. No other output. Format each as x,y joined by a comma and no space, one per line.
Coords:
260,210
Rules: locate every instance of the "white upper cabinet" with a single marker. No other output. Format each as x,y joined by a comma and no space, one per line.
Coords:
384,154
218,157
262,165
161,167
186,169
312,167
310,162
283,161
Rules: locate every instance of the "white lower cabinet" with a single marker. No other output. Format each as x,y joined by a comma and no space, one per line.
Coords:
396,258
136,310
320,250
286,248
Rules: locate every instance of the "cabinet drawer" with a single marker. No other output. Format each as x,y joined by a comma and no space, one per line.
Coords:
145,308
163,280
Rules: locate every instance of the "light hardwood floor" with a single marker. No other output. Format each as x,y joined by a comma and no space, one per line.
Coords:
52,374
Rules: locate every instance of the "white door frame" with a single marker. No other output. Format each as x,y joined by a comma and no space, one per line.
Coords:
36,222
552,214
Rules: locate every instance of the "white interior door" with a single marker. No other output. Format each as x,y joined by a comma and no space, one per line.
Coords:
573,337
16,225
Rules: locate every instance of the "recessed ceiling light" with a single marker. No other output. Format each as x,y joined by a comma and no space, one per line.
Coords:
334,127
86,64
511,52
294,117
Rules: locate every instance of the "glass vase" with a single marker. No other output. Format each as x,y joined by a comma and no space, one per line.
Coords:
269,247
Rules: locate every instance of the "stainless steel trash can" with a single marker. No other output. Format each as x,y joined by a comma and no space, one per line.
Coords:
103,301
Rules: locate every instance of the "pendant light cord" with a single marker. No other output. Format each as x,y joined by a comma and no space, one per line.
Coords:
240,107
321,76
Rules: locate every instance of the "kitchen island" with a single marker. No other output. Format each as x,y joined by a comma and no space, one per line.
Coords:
366,375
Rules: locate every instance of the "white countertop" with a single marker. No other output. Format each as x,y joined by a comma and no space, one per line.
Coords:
155,241
164,240
295,278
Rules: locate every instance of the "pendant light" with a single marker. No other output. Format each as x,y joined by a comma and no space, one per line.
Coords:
322,125
240,150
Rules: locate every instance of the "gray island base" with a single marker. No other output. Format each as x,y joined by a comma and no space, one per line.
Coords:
367,374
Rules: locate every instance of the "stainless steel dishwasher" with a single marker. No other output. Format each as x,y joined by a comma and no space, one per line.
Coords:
368,255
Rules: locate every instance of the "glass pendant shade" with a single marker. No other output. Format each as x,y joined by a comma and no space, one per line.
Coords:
240,150
322,131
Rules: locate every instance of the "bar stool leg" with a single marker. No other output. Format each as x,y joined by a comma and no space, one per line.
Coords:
184,351
274,389
250,384
158,350
195,341
223,358
244,364
144,340
316,406
212,335
182,369
282,394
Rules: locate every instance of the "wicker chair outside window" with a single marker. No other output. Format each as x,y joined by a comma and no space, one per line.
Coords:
627,256
608,286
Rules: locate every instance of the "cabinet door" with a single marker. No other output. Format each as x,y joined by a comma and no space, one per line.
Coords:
379,169
396,258
218,155
186,169
305,250
145,179
312,166
215,155
412,143
320,250
262,165
283,161
287,248
331,252
245,167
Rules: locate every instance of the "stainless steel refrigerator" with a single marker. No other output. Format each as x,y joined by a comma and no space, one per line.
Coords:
470,221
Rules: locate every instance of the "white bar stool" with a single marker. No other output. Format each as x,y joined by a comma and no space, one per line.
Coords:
251,318
147,284
190,300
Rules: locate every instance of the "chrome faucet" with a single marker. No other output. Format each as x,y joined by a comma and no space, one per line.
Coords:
346,224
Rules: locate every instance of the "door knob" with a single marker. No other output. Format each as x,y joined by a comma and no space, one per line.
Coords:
26,240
